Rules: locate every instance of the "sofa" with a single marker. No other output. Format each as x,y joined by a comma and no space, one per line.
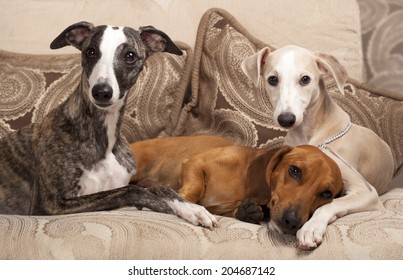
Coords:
204,91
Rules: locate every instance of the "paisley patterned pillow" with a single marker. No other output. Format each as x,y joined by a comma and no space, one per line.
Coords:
32,85
223,100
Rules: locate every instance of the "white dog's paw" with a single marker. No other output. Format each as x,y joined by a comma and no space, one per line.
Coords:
310,236
193,213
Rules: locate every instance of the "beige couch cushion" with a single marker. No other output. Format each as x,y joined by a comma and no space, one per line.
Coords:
132,234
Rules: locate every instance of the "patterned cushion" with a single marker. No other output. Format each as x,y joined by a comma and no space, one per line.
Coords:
224,101
131,234
32,85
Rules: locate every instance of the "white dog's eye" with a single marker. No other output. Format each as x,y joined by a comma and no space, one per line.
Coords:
273,80
305,80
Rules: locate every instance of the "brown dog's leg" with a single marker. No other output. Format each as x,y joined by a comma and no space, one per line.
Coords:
250,212
193,184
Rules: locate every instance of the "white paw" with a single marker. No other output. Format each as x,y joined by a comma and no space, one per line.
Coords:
310,236
193,213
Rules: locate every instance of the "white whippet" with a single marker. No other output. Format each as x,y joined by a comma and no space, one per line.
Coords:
293,78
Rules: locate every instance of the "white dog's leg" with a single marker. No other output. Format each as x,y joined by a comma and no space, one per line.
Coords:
358,198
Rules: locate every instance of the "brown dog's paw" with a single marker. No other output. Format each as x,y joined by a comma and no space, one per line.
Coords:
249,212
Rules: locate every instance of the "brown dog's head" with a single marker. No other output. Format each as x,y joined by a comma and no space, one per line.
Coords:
301,179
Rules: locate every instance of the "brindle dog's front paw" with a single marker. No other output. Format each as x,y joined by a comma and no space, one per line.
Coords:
249,212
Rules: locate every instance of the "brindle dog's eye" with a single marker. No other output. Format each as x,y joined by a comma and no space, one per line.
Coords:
295,172
326,194
91,53
130,57
273,81
305,80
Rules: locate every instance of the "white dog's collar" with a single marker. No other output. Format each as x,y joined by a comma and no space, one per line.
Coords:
338,135
335,137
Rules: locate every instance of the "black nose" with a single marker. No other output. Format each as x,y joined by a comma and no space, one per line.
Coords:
286,119
291,221
102,92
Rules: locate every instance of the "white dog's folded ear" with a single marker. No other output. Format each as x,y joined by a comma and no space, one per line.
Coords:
329,65
253,65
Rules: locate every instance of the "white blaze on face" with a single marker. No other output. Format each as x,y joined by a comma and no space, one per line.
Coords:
108,173
103,71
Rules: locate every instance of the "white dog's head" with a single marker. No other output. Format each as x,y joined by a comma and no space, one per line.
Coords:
292,77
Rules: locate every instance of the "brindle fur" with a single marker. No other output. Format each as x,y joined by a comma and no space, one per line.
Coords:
41,164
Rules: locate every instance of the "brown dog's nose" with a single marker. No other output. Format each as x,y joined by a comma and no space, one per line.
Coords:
291,221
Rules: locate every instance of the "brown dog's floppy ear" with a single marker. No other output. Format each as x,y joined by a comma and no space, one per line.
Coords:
253,65
275,160
158,41
329,65
73,35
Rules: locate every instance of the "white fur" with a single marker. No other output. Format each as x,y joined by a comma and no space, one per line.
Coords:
103,70
294,97
195,214
108,173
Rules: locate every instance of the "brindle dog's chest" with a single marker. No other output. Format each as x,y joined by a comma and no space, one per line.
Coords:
105,175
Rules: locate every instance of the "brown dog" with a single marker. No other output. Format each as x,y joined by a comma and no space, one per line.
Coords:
236,181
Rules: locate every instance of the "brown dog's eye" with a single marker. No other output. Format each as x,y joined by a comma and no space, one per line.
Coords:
326,194
273,81
305,80
295,172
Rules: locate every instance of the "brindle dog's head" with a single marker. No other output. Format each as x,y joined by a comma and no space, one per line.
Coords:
112,57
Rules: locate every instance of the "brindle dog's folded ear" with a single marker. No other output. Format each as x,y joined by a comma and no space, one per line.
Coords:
73,35
158,41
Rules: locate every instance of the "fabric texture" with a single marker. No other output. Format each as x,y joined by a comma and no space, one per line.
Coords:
131,234
382,41
327,25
